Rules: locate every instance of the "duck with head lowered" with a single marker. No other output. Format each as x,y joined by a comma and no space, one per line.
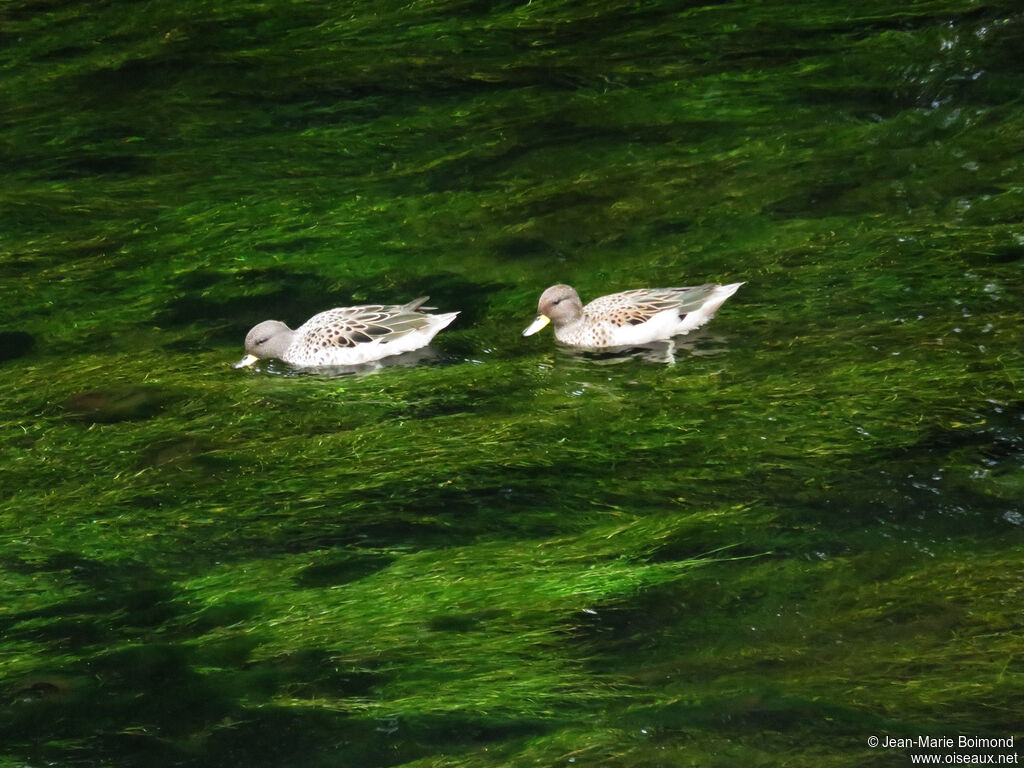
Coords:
346,335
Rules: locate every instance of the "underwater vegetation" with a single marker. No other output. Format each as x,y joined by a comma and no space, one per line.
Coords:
804,533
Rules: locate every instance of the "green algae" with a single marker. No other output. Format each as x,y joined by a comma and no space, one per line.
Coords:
804,533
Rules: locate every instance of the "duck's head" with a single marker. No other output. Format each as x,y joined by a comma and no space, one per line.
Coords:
271,338
559,304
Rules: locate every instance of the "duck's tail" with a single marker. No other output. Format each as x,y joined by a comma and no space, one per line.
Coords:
708,307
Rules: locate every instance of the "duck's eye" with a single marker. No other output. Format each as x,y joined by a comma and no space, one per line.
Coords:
262,341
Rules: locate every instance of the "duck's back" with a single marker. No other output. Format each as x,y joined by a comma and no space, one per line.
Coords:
353,335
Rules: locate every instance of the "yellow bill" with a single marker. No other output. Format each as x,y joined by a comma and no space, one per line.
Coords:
536,325
246,361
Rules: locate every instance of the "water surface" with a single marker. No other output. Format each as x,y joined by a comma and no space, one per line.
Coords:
804,533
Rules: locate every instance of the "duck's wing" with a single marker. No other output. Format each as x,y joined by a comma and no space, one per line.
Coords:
638,306
349,326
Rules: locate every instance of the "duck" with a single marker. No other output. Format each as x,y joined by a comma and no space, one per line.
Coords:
346,335
628,318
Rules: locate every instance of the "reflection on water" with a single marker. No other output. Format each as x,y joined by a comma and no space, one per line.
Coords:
424,355
701,343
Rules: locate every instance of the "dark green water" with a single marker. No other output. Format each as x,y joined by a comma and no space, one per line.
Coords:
805,533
